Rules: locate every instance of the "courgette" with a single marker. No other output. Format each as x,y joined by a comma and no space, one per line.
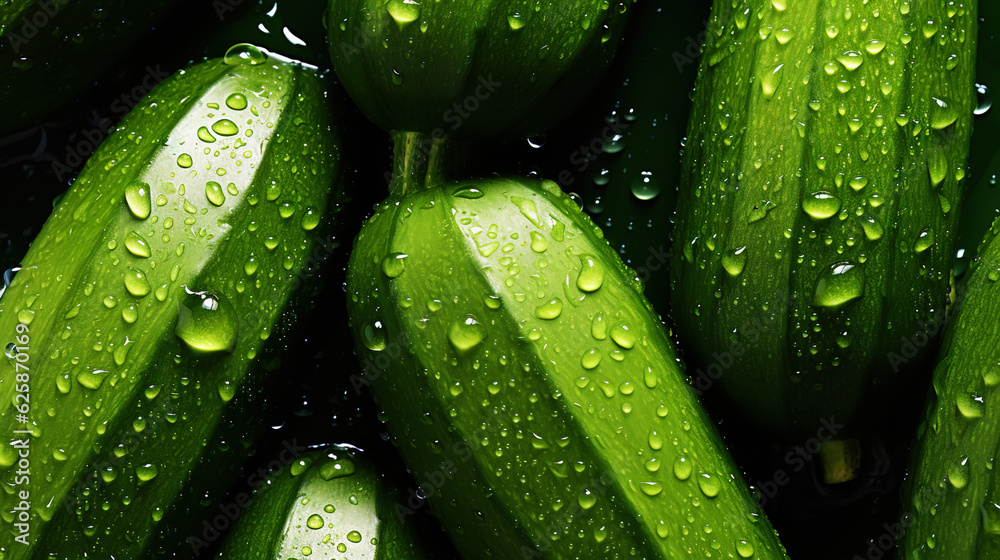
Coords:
533,391
329,504
951,499
471,69
52,49
137,312
817,215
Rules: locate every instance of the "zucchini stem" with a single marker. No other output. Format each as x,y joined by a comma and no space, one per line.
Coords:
417,162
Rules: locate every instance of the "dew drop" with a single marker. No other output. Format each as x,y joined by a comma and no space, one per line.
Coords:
943,113
137,198
840,283
213,191
682,468
373,336
591,276
206,323
924,240
393,264
146,472
465,335
236,101
244,53
623,336
137,245
769,82
734,260
225,127
550,309
709,485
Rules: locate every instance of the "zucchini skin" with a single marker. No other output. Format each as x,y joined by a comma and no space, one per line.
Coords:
139,393
819,197
50,50
472,69
333,504
952,493
531,387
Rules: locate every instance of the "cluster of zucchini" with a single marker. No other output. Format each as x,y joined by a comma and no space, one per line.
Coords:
533,391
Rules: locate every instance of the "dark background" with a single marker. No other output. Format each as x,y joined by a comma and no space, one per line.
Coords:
633,126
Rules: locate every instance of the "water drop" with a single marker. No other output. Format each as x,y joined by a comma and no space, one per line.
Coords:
184,161
206,322
925,239
709,485
373,336
623,336
538,242
874,46
137,245
315,521
137,198
204,135
135,283
92,378
970,406
527,208
644,187
403,11
682,468
873,230
466,334
734,260
469,192
146,472
225,127
769,82
393,264
236,101
840,283
958,473
244,53
591,276
591,358
550,309
943,112
213,191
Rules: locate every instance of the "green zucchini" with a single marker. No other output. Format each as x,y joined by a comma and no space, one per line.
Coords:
471,69
530,386
52,49
952,495
138,310
817,215
326,505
